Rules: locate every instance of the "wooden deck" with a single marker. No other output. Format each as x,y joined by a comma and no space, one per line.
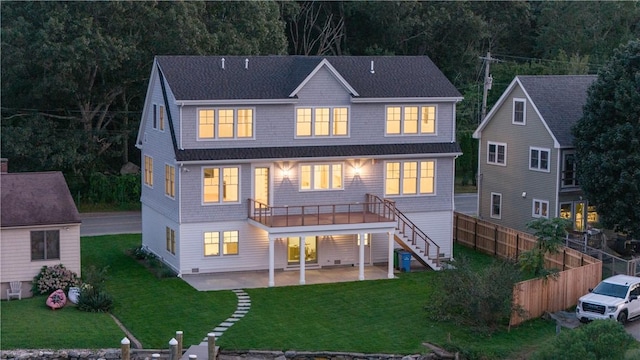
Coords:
320,219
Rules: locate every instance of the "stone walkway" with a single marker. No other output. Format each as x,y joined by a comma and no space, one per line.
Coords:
244,304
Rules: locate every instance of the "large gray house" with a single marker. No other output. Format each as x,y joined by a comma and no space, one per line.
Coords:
297,162
526,158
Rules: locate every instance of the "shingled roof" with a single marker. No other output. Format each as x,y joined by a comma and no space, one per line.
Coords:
559,99
36,198
299,152
276,77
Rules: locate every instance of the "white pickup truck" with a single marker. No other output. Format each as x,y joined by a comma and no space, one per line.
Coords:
614,298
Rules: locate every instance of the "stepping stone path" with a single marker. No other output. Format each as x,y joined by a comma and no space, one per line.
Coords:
244,304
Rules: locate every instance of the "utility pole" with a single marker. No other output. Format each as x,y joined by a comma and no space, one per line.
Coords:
488,80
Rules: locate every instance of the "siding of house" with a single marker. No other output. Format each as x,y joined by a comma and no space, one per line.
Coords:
515,178
15,254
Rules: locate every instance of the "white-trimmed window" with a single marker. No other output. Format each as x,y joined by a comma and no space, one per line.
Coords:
519,116
220,185
148,171
321,176
170,180
539,159
213,246
496,205
410,178
496,153
45,245
540,209
410,120
322,121
171,240
225,123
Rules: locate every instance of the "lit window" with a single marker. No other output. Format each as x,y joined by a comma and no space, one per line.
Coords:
171,240
161,117
170,180
540,208
410,120
45,245
206,122
321,177
211,243
148,171
496,153
410,178
496,205
225,123
539,159
245,123
230,243
367,239
322,121
221,189
519,111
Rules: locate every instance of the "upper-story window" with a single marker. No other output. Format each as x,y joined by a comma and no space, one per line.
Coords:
321,177
569,178
225,123
496,153
540,208
148,170
158,117
170,180
322,121
539,159
221,185
519,112
410,178
410,120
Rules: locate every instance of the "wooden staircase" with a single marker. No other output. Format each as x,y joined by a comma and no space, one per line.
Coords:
410,237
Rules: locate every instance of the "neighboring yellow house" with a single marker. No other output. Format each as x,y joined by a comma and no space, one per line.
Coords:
39,226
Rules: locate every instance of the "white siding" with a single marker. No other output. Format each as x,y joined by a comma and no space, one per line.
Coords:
16,264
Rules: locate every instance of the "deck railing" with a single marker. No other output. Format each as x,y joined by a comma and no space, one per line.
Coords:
331,214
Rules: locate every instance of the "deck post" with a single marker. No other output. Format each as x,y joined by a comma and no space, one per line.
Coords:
125,349
272,281
173,349
180,339
211,346
361,257
390,256
303,259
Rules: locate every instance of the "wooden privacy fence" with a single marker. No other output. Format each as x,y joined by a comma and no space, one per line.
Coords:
578,271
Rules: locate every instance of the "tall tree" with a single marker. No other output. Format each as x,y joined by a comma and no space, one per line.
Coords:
607,141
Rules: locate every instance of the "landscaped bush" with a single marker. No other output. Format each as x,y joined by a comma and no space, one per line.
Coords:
52,278
600,339
152,262
93,296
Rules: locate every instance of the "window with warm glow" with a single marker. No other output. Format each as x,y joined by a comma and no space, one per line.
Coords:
171,240
211,243
410,178
148,170
218,188
225,123
410,120
322,122
321,177
245,123
170,180
206,124
231,123
161,117
230,242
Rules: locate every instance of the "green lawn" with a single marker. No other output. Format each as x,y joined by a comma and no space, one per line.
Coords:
385,316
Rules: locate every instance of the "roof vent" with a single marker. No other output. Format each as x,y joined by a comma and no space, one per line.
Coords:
222,60
246,63
372,71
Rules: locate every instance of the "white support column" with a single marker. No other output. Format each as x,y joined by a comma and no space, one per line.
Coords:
390,256
361,258
272,278
303,258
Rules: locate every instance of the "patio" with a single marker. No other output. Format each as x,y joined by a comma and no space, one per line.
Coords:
260,279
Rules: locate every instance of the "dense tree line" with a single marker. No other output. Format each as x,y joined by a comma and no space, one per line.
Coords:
74,74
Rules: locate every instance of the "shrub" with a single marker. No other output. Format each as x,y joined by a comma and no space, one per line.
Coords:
95,277
94,299
600,339
52,278
478,298
152,263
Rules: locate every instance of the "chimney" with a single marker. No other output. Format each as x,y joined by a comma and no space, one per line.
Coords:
4,165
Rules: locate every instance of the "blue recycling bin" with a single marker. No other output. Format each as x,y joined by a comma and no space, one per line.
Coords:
405,261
